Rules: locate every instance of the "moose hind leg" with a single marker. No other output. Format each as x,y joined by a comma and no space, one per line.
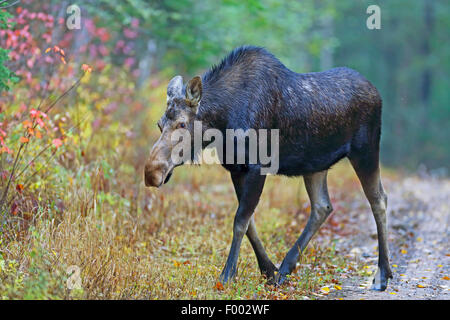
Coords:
316,187
373,189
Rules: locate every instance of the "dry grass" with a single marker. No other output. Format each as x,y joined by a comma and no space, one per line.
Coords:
175,245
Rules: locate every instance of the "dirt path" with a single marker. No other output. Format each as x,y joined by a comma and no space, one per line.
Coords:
418,218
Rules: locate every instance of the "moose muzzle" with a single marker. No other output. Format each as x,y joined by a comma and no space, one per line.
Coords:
158,167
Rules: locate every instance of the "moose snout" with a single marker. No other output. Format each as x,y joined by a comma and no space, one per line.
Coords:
154,175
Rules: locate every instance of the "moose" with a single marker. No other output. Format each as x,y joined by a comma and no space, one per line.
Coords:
322,117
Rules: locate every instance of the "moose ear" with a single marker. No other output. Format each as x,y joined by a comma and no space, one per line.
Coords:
175,87
194,91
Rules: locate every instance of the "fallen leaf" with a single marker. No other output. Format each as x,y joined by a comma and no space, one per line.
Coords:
421,286
403,251
337,287
325,290
219,286
445,278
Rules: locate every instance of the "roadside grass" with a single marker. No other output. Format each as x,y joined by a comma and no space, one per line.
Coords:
174,245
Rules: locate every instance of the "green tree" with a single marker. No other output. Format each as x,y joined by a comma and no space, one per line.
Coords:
6,76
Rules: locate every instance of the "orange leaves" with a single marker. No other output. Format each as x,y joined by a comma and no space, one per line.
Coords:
27,124
219,286
86,68
59,51
24,139
19,187
176,263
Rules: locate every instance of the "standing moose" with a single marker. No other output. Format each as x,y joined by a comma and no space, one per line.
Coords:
322,117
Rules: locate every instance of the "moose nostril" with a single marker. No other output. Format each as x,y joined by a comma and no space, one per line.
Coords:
153,175
149,180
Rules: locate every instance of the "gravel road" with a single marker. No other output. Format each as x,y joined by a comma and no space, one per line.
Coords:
418,220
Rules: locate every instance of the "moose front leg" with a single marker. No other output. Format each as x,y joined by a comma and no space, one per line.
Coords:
251,188
266,266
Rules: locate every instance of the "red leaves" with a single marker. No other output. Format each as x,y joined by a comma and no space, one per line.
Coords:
5,149
14,208
37,116
57,142
34,113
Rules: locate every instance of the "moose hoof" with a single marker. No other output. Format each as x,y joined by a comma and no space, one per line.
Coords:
269,272
227,275
280,278
380,282
270,277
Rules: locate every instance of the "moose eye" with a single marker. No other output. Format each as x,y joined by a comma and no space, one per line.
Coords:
181,125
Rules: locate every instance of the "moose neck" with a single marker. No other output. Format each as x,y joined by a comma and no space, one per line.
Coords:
212,112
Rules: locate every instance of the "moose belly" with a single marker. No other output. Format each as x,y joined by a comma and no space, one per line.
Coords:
310,160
